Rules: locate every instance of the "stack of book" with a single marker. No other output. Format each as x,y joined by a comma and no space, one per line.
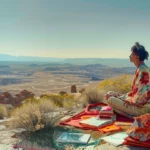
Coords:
107,112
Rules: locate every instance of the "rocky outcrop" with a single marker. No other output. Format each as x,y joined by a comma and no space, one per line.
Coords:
7,98
26,94
73,89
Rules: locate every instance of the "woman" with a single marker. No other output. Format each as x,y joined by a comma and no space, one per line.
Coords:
137,101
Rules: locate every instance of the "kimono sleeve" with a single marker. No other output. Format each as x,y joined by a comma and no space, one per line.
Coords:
141,88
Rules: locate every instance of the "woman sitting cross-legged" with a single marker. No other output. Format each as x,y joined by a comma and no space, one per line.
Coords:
137,101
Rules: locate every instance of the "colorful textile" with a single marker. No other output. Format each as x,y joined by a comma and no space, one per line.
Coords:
140,129
140,93
132,142
110,128
74,121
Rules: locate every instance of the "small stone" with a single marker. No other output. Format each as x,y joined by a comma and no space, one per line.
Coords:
14,136
2,127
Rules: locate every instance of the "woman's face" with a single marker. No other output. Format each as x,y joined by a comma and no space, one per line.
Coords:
133,57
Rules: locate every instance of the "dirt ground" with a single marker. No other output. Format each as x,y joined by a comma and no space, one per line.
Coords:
42,83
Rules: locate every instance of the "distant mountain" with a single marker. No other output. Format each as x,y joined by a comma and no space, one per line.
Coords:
112,62
5,57
4,67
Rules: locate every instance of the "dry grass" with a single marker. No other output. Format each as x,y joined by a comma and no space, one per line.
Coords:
120,84
67,101
3,111
46,106
34,114
91,96
31,115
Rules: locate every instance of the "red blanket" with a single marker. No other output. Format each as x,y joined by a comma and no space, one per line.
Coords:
90,111
132,142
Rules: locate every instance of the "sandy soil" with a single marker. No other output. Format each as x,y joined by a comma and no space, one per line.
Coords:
42,82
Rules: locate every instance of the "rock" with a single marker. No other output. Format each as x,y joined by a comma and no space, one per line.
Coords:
14,136
19,130
7,94
2,97
62,92
2,127
17,95
26,94
73,89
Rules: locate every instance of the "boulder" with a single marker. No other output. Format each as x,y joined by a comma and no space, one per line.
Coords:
73,89
26,94
17,95
7,94
62,92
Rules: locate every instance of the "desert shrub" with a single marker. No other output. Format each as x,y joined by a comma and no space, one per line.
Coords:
65,100
46,106
30,100
31,115
91,96
69,104
120,84
3,111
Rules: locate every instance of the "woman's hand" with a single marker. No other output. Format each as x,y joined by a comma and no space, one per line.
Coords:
127,103
107,96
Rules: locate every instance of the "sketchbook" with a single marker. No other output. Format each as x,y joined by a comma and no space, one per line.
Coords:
97,122
116,139
74,138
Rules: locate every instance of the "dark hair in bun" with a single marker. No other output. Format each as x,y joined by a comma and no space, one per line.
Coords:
140,51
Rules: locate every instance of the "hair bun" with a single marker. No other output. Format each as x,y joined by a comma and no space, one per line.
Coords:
137,44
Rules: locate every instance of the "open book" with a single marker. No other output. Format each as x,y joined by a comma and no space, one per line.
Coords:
74,138
94,121
116,139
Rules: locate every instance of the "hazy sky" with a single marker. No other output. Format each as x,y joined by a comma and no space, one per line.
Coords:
73,28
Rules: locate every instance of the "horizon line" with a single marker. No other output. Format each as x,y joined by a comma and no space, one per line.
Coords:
66,57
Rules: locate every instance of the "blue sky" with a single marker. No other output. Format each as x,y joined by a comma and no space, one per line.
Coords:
73,28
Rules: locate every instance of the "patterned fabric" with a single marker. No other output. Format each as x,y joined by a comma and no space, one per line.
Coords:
140,129
140,93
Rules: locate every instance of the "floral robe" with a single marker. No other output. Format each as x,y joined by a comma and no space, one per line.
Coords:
140,129
140,93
